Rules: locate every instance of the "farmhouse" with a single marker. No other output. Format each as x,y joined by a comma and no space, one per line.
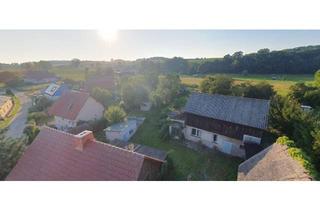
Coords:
57,156
124,130
73,107
222,122
54,91
272,164
38,77
6,105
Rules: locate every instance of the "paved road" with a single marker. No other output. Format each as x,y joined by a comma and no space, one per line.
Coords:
19,122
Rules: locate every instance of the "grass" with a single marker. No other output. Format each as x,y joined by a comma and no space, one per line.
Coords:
69,73
281,85
201,166
16,108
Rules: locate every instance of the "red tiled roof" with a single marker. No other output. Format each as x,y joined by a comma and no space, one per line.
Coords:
69,105
52,156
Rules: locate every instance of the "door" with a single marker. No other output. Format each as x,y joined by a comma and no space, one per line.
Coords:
226,147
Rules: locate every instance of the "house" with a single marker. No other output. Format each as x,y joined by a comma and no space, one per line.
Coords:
54,91
58,156
38,77
272,164
145,106
222,122
104,81
124,130
73,107
6,105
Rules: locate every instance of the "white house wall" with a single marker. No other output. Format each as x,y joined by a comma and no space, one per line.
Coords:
63,124
206,138
92,110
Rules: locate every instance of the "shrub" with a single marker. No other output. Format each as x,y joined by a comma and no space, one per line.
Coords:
115,114
40,118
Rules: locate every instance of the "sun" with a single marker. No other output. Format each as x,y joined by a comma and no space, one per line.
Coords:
108,35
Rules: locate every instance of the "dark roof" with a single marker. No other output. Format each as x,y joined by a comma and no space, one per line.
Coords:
245,111
272,164
69,105
53,156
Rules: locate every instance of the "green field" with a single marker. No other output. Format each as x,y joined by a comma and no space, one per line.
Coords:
281,84
186,162
69,73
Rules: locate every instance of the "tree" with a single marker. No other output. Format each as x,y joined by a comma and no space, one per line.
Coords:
104,96
75,62
10,152
217,84
317,78
115,114
31,131
262,90
133,93
167,89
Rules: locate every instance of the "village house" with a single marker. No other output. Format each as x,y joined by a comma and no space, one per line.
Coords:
54,91
124,130
38,77
74,107
6,105
58,156
222,122
272,164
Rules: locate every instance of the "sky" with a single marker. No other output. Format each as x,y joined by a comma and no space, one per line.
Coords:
34,45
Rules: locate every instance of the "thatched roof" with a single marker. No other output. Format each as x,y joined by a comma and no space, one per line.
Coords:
272,164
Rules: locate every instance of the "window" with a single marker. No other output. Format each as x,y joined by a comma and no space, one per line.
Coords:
215,137
195,132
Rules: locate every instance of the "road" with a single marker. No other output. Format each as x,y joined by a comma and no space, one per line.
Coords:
18,124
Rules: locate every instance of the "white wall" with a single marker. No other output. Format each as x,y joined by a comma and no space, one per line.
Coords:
206,138
124,135
63,124
92,110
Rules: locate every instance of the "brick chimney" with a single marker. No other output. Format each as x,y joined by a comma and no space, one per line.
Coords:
82,139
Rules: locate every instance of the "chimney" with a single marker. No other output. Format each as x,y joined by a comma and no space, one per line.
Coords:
83,138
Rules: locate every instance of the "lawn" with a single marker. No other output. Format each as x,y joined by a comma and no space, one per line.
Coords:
186,162
281,85
16,107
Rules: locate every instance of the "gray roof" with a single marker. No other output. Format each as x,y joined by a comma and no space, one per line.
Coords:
272,164
245,111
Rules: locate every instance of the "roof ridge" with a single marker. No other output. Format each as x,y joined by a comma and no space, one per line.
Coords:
228,96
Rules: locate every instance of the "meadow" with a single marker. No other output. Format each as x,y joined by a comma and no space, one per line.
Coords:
281,83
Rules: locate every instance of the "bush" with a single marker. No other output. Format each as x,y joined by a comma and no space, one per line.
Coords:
40,118
31,130
102,95
41,104
115,114
10,152
9,92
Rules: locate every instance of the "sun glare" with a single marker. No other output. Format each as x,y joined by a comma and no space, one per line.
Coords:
108,35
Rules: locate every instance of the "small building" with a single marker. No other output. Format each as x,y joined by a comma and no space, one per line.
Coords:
272,164
74,107
222,122
145,106
124,130
54,91
58,156
6,105
38,77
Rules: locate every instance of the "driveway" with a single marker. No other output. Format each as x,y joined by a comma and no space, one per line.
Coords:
18,124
